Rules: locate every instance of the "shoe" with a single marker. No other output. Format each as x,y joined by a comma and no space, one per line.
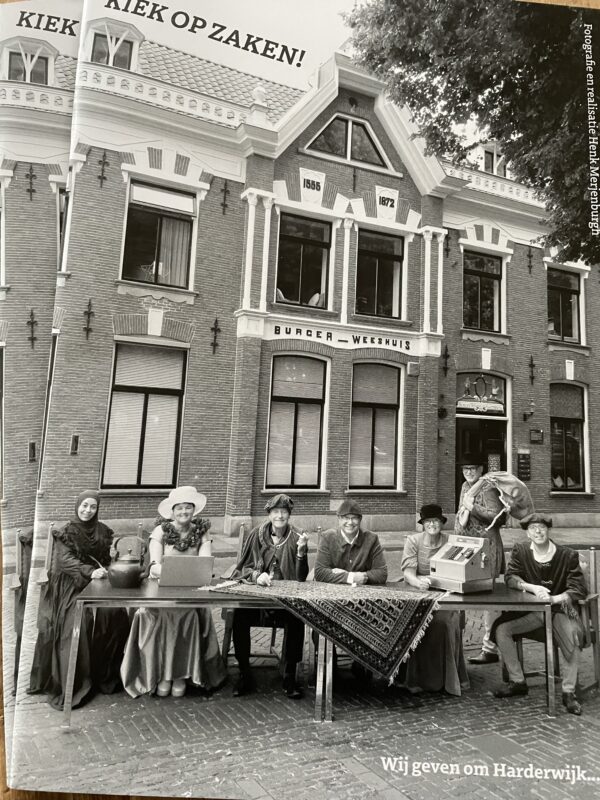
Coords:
245,685
179,687
571,703
164,688
484,658
512,689
292,690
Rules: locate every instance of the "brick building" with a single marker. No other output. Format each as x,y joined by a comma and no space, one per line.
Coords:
36,97
270,289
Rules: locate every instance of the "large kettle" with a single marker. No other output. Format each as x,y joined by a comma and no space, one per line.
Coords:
126,570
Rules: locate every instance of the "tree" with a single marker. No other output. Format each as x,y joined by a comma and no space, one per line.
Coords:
517,70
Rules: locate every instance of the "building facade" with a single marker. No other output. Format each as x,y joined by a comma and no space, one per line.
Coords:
265,289
36,97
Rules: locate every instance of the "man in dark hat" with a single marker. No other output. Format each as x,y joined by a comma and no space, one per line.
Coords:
348,553
550,572
274,550
483,506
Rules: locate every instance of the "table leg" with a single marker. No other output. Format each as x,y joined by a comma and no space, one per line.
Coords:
596,643
319,682
72,663
328,716
549,661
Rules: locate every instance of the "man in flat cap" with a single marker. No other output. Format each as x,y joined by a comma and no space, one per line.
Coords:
550,572
274,550
348,553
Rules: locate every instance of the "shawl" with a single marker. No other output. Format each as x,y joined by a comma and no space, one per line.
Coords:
379,626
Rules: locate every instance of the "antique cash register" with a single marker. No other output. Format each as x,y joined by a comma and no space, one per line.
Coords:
462,565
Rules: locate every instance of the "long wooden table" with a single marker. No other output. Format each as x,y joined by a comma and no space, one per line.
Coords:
150,595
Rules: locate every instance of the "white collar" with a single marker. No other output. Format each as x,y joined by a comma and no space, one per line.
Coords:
543,559
350,541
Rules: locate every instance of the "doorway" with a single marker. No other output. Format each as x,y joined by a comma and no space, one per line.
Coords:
484,437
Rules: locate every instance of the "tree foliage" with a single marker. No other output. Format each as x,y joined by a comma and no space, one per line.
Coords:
515,69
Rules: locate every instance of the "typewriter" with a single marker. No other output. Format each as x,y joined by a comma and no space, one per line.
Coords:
462,565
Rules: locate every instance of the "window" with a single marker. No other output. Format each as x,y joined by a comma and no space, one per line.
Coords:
49,381
482,276
302,266
142,441
348,139
374,430
28,68
296,423
158,236
563,305
379,274
494,163
63,207
116,52
566,438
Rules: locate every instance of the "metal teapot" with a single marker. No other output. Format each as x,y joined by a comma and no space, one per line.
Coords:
126,570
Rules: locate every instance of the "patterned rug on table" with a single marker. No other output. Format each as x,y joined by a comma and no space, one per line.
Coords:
377,625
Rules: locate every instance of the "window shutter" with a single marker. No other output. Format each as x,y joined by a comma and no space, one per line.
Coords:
566,401
149,367
298,377
160,440
123,443
375,383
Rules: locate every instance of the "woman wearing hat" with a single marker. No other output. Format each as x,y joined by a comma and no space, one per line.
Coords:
169,647
274,550
438,662
80,554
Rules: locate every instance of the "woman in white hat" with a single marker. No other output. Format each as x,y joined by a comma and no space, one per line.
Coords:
169,647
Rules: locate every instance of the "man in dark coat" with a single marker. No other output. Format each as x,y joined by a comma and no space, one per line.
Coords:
274,550
550,572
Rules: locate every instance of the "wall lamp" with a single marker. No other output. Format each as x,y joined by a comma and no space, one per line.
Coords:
528,414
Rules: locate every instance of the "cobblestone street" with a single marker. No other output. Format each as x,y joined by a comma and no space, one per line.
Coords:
267,746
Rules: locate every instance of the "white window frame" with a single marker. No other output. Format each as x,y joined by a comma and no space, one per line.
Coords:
488,249
401,298
582,270
178,346
197,195
347,159
325,434
30,50
399,487
585,443
116,32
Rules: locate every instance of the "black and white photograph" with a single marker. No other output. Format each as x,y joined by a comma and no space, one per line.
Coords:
321,314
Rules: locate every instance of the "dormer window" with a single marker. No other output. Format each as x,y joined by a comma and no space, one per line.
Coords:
27,60
350,140
115,52
494,162
27,68
112,43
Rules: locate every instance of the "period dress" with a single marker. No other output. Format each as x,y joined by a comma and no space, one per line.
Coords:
438,662
79,549
172,643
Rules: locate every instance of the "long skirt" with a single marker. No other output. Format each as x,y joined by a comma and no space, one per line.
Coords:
101,643
438,662
171,644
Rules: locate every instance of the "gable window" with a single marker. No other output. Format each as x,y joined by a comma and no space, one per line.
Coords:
142,440
302,265
348,139
482,278
379,274
374,429
158,236
566,438
112,50
296,422
563,305
28,68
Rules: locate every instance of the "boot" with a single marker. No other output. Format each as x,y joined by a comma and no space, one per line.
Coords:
571,703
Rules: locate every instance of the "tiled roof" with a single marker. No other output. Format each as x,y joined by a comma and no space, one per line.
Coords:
206,77
64,71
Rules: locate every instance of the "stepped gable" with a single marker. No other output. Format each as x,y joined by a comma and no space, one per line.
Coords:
223,83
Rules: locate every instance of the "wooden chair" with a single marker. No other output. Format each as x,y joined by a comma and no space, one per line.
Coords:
589,612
